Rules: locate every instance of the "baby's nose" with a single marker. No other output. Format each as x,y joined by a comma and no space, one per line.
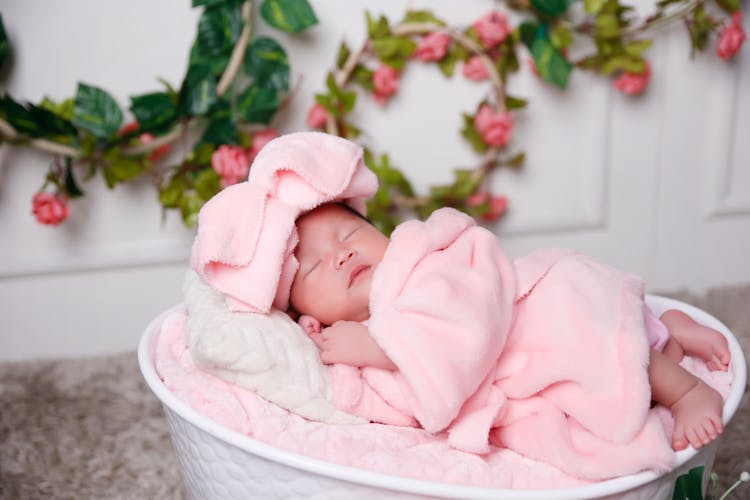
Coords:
344,257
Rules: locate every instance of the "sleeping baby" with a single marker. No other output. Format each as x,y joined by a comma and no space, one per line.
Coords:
339,253
552,355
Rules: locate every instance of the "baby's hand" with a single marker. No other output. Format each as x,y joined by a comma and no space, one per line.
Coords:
349,343
312,328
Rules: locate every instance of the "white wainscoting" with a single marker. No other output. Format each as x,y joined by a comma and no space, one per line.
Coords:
658,185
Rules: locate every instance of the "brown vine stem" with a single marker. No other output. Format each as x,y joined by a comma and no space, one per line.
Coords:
8,132
422,28
658,22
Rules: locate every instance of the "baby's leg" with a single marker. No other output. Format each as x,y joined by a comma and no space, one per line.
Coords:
696,407
696,339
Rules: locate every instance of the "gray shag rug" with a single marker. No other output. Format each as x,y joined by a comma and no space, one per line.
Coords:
90,428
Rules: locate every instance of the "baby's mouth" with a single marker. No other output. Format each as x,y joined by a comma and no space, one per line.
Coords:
357,273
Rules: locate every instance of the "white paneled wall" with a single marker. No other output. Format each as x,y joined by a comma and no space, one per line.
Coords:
658,185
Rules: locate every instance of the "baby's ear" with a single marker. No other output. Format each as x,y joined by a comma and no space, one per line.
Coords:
309,324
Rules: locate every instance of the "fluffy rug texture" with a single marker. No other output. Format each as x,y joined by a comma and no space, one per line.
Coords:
90,428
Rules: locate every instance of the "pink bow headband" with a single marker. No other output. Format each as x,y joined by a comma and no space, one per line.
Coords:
246,233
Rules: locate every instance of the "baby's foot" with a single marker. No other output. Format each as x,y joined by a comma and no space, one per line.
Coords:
698,340
697,417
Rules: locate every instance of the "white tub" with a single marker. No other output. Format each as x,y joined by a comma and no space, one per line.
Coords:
219,463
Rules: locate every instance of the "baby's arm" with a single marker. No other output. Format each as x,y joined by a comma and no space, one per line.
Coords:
350,343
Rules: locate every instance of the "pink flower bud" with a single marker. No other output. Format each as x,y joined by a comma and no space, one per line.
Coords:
633,83
260,139
317,116
492,29
498,205
231,163
731,37
475,69
495,127
385,80
432,47
49,208
158,153
130,127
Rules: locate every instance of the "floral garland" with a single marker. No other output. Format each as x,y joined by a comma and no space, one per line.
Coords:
236,84
488,51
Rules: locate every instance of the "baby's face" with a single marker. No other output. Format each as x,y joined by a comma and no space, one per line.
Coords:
337,253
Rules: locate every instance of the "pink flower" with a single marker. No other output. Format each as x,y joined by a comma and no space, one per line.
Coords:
317,116
260,139
432,47
385,80
731,37
498,205
158,153
231,163
130,127
495,127
492,28
49,208
475,69
633,83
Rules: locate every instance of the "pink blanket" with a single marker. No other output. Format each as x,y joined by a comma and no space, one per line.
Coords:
547,356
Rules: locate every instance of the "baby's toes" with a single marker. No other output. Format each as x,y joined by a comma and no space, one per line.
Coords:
679,441
693,438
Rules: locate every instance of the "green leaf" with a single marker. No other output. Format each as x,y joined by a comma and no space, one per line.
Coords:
527,33
198,91
17,115
551,64
170,194
394,50
447,64
218,29
637,47
154,112
594,6
729,6
190,204
71,186
606,26
363,76
222,130
465,184
689,486
512,103
291,16
50,123
422,16
208,3
471,134
207,183
217,64
343,55
561,37
63,109
348,99
377,29
266,62
516,161
119,168
4,44
551,8
96,112
258,104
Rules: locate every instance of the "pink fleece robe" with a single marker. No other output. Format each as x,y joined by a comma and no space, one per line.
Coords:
547,356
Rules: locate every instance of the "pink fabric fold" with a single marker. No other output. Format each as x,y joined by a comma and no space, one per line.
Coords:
546,356
246,234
